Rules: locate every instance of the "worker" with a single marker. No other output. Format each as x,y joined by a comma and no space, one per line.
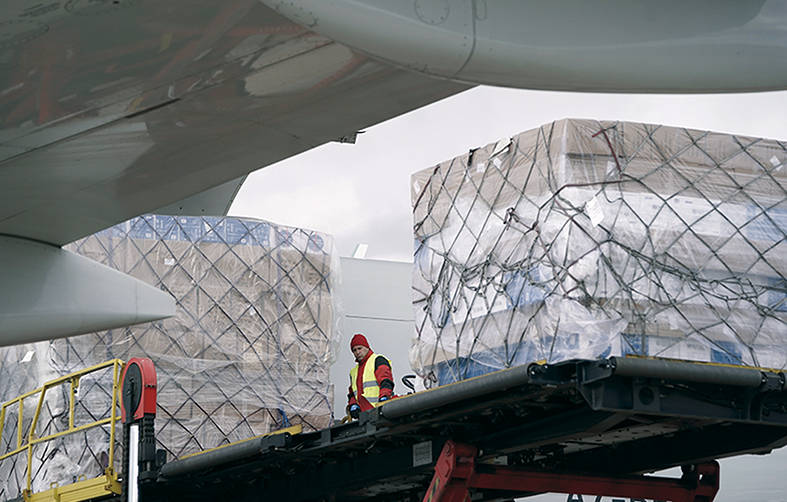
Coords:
371,380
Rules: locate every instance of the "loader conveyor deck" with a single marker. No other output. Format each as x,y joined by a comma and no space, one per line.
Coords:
611,417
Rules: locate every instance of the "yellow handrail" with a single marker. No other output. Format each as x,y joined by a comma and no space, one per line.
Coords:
73,379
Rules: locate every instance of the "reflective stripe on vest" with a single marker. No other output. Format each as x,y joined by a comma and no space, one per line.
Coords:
371,391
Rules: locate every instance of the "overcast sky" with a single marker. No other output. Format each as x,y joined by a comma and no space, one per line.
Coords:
360,193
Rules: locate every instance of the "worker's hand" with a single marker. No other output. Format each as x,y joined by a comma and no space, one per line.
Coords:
355,411
384,398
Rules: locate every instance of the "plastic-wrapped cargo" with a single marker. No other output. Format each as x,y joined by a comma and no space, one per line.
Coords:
249,350
585,239
66,459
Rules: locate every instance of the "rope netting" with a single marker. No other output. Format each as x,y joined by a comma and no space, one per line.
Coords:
250,347
584,239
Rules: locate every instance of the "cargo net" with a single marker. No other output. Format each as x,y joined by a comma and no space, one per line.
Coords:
248,351
585,239
250,347
66,459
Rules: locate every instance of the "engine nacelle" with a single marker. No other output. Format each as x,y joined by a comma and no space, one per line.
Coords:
47,292
576,45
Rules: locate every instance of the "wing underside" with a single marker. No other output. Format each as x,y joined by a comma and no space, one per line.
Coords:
113,109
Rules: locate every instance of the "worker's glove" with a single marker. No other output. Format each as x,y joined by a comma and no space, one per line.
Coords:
384,398
355,411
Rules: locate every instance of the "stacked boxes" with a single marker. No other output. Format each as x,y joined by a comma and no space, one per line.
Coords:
584,239
250,348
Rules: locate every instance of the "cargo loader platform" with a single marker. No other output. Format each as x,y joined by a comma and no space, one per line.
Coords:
572,427
582,427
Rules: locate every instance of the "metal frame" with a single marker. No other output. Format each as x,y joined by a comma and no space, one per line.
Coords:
83,489
578,426
456,473
609,419
103,485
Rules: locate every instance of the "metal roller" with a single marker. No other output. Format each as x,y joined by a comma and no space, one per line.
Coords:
221,456
467,389
688,372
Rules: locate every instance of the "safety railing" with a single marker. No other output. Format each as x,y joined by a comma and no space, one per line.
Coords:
108,482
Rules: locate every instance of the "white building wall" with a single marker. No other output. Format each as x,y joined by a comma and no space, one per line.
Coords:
376,298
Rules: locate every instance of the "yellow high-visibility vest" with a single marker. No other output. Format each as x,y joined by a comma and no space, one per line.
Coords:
371,391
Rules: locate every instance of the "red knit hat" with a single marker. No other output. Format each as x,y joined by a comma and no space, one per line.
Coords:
359,339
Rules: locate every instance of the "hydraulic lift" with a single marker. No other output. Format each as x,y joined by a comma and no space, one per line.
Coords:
577,427
456,472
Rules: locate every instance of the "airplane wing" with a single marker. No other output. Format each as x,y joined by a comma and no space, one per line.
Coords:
112,109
